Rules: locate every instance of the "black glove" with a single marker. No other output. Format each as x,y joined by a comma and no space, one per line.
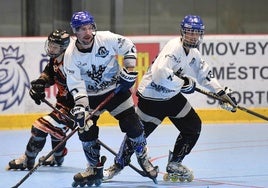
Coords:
37,91
229,101
127,80
188,86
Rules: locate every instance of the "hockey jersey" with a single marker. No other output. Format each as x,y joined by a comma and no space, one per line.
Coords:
160,81
53,73
96,72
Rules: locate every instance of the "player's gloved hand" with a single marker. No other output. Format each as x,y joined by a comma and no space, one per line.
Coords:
230,102
188,86
37,91
81,118
126,80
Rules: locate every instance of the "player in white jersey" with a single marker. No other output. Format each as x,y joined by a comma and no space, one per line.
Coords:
93,72
172,73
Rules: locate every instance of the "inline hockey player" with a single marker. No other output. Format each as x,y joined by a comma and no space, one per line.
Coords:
172,73
52,123
92,74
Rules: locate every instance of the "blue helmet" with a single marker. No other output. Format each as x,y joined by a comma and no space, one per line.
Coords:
82,18
192,24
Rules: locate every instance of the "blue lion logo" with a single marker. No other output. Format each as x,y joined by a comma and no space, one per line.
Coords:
13,78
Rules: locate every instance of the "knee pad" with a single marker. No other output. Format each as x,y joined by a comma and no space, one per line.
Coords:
91,134
92,152
183,146
131,125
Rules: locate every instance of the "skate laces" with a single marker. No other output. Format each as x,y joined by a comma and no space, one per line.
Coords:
113,170
88,172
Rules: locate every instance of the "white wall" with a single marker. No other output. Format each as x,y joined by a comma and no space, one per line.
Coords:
240,62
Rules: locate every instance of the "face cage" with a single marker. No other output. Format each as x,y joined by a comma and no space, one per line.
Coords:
189,43
62,49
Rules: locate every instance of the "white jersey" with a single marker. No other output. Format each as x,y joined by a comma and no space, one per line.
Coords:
96,72
160,82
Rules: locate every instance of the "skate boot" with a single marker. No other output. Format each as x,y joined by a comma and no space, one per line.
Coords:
122,159
112,171
143,160
176,171
21,163
92,175
53,160
140,149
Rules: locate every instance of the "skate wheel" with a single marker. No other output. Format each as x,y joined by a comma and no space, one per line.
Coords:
190,178
90,183
82,184
181,179
75,184
166,177
174,178
98,182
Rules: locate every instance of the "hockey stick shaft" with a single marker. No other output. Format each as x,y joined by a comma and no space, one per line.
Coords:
45,158
212,95
130,165
57,110
100,106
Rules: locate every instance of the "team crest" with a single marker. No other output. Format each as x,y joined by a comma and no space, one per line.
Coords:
13,78
102,52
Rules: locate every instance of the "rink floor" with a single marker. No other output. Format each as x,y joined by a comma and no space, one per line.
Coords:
225,156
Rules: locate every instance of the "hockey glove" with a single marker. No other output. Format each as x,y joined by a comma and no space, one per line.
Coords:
37,91
126,80
230,102
188,86
81,118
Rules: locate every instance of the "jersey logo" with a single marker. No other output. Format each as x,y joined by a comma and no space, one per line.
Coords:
121,42
209,76
169,78
96,74
102,52
173,58
13,78
192,62
160,88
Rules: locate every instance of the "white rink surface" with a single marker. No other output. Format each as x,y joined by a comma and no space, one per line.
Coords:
225,156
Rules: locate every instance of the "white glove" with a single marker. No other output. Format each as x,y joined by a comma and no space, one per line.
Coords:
229,103
81,117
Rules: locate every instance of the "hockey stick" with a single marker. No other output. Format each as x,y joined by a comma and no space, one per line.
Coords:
142,173
213,95
101,105
57,110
